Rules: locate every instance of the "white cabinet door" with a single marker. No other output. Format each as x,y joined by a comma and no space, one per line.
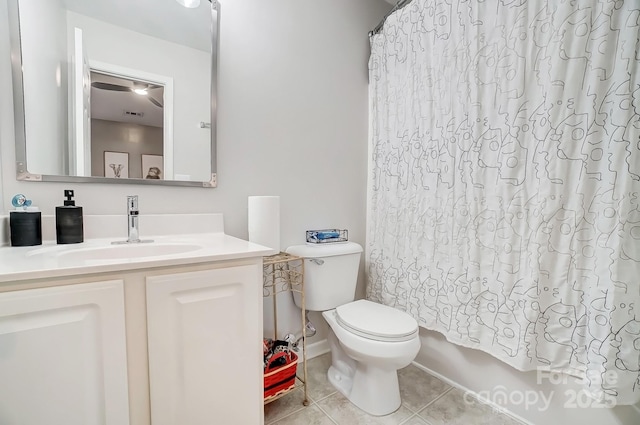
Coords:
205,339
63,356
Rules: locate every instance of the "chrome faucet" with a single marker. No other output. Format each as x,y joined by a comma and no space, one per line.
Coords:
133,235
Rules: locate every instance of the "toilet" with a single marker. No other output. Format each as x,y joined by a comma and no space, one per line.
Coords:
369,342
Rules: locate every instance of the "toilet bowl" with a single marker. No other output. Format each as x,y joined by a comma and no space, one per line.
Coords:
369,342
365,362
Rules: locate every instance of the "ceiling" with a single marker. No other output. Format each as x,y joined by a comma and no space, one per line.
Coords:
164,19
114,105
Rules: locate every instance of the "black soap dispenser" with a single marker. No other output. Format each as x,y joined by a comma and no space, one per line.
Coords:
25,223
69,226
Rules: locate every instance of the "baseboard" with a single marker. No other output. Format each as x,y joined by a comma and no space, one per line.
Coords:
473,393
315,349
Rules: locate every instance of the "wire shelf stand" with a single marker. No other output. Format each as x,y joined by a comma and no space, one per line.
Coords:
284,272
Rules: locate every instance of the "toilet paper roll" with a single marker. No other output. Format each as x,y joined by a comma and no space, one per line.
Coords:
264,221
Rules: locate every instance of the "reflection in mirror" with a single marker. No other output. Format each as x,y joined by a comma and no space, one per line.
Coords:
126,116
128,77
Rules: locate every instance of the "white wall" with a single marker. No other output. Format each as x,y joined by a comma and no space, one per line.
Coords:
45,82
135,139
189,69
292,121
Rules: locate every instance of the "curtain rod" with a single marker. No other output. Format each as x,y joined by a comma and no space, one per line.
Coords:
399,5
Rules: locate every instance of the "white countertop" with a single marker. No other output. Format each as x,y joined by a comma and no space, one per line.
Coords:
50,260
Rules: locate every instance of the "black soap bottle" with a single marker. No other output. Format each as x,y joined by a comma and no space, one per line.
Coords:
25,223
69,227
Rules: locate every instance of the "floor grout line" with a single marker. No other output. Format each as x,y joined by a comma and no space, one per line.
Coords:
428,422
415,415
286,416
433,401
429,403
408,419
323,398
407,407
289,414
327,414
302,407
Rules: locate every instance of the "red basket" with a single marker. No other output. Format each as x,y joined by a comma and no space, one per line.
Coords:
280,379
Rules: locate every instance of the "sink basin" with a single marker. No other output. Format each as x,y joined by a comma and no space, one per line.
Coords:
117,252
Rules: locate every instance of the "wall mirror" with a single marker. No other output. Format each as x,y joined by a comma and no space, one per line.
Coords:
118,91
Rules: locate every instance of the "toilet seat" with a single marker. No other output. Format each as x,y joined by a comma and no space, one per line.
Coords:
376,321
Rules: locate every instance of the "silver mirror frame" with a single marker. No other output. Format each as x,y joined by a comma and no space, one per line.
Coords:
22,174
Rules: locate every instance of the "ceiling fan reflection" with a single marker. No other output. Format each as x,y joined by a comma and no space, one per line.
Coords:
139,89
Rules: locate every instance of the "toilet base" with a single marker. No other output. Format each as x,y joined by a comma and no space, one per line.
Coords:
371,389
364,370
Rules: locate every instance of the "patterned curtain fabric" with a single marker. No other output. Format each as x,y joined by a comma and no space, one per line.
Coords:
504,186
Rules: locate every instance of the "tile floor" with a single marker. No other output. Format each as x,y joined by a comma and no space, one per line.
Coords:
425,401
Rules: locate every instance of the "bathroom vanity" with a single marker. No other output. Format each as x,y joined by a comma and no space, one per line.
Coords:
163,333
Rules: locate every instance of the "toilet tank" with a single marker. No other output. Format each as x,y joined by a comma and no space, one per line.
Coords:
330,274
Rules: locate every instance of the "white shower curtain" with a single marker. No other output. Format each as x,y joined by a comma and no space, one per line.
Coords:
504,186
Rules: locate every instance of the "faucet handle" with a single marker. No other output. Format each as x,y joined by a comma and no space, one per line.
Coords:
132,204
132,222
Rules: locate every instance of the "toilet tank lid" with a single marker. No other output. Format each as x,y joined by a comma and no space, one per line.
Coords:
324,250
